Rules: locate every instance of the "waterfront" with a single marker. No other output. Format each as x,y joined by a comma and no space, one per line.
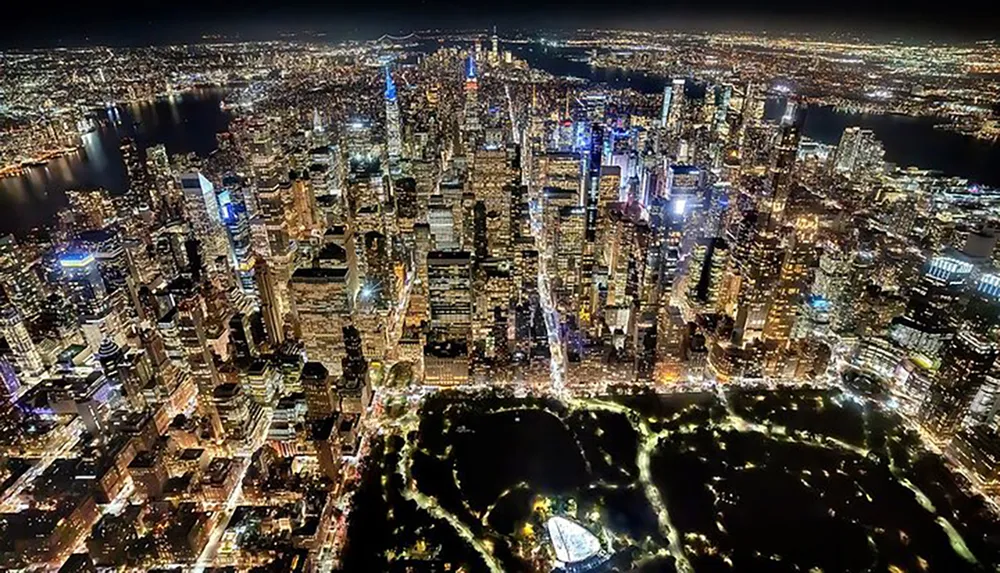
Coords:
189,123
908,141
183,123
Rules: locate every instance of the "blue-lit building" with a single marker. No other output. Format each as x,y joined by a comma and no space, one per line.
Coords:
233,214
83,282
393,130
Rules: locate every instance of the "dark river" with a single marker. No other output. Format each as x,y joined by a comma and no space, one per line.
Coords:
188,123
184,123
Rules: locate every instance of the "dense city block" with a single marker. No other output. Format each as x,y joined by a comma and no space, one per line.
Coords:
501,301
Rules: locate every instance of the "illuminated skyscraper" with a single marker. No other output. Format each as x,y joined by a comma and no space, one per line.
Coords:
791,283
676,111
709,260
321,396
392,127
490,176
569,242
782,165
471,118
494,47
19,280
84,284
322,308
449,276
26,355
202,210
191,335
274,319
665,105
966,362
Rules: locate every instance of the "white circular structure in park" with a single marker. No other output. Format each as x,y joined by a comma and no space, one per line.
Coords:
577,549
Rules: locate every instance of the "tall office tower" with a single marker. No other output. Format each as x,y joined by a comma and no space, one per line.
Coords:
758,273
407,208
870,155
378,283
557,169
84,284
526,272
19,280
723,97
677,103
479,242
191,335
274,319
129,372
671,341
858,153
593,187
418,309
393,131
554,199
449,282
201,209
242,339
782,165
665,105
160,175
364,186
233,410
441,219
263,382
609,192
620,256
321,305
470,122
140,187
466,221
931,314
848,319
265,203
709,260
426,175
354,365
645,344
233,211
491,175
321,396
831,275
791,283
847,151
668,219
276,248
569,243
494,47
26,355
966,362
492,327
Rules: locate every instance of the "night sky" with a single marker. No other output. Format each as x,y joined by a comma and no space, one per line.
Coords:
30,23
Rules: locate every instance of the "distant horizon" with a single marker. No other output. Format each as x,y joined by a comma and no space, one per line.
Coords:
171,29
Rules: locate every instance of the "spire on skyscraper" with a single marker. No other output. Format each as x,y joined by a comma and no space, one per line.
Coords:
390,86
317,122
470,69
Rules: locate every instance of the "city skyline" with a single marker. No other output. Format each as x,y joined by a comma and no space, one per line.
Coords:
596,300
